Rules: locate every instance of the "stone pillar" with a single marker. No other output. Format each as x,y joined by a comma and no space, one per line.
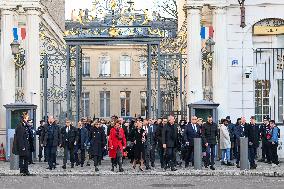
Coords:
7,66
220,65
195,91
32,68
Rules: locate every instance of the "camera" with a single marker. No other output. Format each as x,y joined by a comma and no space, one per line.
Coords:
248,72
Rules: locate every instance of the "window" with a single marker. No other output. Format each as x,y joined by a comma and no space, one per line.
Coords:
262,88
125,66
104,66
86,104
143,97
86,67
105,104
280,100
125,103
143,67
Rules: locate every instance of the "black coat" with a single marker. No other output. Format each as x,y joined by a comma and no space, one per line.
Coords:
158,135
56,139
139,146
252,133
239,132
170,136
98,141
21,144
210,133
69,138
189,134
83,137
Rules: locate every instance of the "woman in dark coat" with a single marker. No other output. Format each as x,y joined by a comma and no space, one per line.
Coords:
97,143
138,138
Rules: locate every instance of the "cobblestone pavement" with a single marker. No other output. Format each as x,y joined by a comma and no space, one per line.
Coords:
140,182
39,169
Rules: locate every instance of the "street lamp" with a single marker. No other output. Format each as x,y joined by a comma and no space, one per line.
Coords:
15,47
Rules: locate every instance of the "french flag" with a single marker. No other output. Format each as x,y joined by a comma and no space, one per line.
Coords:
19,33
206,32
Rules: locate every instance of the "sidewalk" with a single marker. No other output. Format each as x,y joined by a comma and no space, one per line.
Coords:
39,169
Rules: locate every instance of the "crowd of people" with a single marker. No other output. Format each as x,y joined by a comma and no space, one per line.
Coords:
139,140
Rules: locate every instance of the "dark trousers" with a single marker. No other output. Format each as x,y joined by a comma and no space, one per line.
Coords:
162,155
51,156
117,160
268,150
82,155
238,153
23,164
97,160
149,155
189,155
40,152
170,157
210,154
233,150
252,154
30,157
274,156
263,150
70,151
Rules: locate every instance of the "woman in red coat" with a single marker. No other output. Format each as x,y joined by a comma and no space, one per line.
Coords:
117,143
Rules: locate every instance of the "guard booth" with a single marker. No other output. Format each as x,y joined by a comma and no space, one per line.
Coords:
13,118
202,109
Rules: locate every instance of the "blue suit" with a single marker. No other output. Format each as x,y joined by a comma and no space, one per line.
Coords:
189,134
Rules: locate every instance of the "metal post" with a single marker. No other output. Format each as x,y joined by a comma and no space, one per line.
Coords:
197,154
159,81
244,154
14,159
45,68
77,117
69,91
149,85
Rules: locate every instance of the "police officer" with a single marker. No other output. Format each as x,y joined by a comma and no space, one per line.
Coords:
39,132
264,130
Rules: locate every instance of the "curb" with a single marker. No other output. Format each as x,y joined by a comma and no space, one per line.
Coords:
192,173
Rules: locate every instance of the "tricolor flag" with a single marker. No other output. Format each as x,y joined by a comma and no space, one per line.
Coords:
19,33
206,32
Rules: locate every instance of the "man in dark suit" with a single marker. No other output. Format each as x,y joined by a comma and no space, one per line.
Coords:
252,133
51,140
151,145
264,130
239,133
192,130
68,142
81,143
169,140
210,134
21,145
39,132
159,132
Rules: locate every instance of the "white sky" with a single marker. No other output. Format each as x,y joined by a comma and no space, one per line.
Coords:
82,4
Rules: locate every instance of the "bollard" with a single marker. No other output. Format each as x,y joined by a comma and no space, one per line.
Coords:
244,154
14,159
197,154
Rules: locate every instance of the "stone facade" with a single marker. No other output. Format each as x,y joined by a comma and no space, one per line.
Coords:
235,57
57,11
115,83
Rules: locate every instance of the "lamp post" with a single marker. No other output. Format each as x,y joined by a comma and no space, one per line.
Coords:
19,61
207,61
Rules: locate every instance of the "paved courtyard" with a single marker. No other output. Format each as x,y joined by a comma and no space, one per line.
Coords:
39,169
140,182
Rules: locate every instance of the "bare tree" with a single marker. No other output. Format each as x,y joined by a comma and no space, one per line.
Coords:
168,8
